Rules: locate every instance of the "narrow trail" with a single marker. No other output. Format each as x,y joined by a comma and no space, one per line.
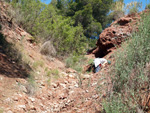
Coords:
70,93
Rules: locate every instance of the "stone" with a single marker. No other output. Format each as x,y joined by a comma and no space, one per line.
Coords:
76,85
9,111
117,33
54,85
15,98
32,99
69,70
63,85
64,74
85,76
71,76
21,106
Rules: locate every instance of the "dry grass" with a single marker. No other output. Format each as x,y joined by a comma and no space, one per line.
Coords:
48,49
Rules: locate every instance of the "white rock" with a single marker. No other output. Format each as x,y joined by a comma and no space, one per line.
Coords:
63,85
95,96
64,74
85,76
86,91
9,111
71,76
54,85
21,106
1,78
32,99
71,92
15,98
94,83
76,85
103,83
20,95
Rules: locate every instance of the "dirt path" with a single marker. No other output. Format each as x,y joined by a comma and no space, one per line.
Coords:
64,93
68,95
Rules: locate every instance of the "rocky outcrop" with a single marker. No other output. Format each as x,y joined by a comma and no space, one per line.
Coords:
117,33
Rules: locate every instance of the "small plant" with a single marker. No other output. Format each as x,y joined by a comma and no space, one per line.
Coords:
31,86
55,73
75,62
22,38
31,79
90,61
117,10
48,73
49,81
52,73
115,105
147,6
80,79
37,64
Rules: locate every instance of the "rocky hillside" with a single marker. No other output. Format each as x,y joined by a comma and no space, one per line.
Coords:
117,33
33,83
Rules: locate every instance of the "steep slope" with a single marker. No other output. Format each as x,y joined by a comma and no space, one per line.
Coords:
31,82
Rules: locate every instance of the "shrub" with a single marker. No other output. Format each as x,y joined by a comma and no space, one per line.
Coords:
133,7
117,14
48,49
117,9
75,62
130,70
90,61
147,6
115,105
36,64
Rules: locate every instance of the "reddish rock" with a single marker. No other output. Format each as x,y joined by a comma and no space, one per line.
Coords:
117,33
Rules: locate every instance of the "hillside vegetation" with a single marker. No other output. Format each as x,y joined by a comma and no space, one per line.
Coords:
69,24
131,73
32,77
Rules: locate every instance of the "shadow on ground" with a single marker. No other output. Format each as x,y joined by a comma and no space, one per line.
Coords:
11,64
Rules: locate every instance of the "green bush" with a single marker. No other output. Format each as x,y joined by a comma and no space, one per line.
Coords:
75,62
115,105
117,9
37,64
147,6
129,69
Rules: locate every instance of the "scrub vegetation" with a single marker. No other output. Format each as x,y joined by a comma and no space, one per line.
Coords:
73,26
132,73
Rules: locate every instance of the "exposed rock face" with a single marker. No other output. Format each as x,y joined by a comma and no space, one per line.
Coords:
118,32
